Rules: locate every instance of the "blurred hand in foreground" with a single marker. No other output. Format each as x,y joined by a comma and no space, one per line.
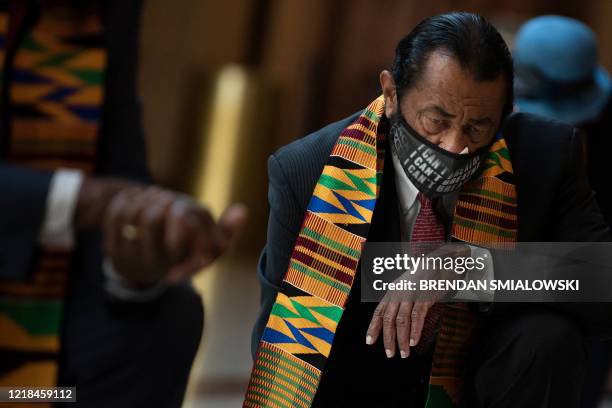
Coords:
152,235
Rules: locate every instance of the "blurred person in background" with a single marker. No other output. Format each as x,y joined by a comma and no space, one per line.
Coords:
558,76
95,260
447,102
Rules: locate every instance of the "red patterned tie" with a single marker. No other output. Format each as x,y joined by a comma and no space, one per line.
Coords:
428,228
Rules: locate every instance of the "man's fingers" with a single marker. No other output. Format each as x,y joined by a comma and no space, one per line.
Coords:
160,231
193,239
193,231
389,331
115,220
419,312
151,232
153,221
403,326
181,272
182,225
375,324
233,220
217,237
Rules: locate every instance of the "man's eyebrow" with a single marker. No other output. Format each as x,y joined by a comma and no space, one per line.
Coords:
481,121
440,111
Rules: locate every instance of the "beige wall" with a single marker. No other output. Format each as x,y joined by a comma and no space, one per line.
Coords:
321,57
182,41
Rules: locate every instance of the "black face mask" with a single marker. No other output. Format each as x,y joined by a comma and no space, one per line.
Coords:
433,170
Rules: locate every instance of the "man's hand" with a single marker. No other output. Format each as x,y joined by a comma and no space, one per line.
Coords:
401,315
151,234
94,198
401,323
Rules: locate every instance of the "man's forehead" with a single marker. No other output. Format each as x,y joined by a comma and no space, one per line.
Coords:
445,84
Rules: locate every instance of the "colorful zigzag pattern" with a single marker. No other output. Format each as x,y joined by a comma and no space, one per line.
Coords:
56,93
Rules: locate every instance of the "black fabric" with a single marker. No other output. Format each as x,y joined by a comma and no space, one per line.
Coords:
121,147
22,210
445,172
599,146
555,204
121,354
555,200
533,359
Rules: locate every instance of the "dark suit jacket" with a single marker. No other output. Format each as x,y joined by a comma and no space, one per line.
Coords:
555,202
117,354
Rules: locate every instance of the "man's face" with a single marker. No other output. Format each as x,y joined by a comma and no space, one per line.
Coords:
448,106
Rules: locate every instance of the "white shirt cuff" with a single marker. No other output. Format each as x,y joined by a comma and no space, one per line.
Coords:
486,275
57,229
117,286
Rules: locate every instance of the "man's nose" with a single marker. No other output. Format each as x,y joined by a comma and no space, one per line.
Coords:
453,142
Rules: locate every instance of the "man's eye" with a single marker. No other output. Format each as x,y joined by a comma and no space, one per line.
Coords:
473,133
433,125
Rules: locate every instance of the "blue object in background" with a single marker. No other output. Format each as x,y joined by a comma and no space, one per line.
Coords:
557,70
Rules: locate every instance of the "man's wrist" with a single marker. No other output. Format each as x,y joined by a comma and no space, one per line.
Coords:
122,289
459,249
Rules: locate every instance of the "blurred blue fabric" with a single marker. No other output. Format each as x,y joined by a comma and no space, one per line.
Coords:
557,70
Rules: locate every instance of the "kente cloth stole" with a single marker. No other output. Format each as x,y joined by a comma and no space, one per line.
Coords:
56,94
300,330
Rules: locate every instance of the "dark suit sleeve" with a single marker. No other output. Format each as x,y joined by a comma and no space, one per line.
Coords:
22,211
577,217
284,221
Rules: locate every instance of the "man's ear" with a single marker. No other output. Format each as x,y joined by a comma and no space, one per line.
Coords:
387,84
